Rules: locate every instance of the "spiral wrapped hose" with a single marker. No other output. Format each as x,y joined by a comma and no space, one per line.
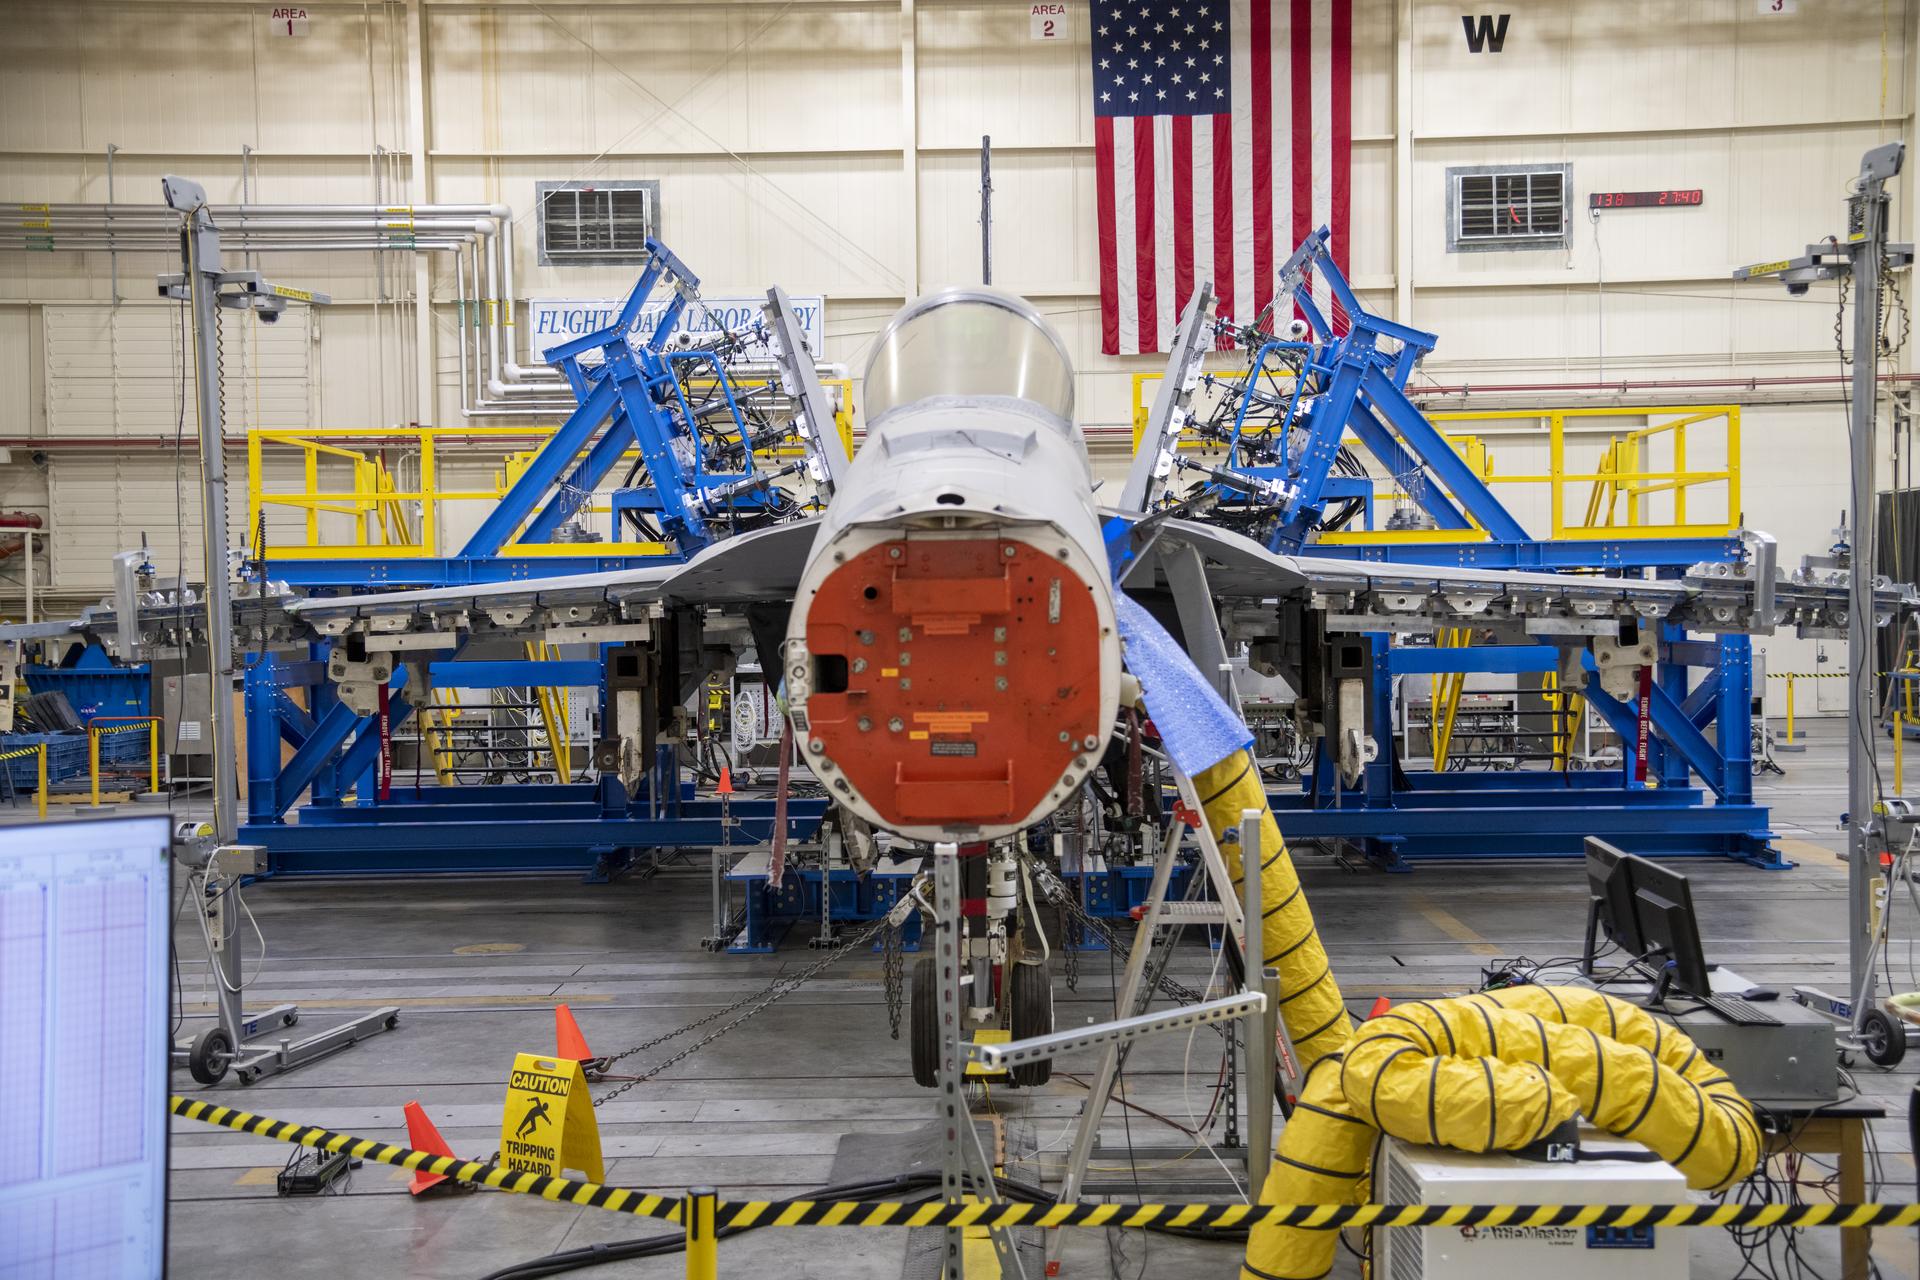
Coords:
1316,1018
1496,1071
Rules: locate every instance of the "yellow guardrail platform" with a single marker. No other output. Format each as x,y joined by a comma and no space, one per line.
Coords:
1641,481
384,492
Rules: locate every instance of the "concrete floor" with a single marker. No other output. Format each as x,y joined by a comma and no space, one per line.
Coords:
476,967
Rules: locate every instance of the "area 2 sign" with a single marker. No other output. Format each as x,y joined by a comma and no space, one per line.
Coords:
1047,21
287,20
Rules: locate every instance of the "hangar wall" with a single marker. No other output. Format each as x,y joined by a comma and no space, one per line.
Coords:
831,146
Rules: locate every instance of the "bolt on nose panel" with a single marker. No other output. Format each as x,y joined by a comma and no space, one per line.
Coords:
955,681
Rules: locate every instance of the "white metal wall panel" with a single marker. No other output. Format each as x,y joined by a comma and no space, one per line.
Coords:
117,371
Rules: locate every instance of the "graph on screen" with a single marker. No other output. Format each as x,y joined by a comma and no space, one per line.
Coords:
83,1049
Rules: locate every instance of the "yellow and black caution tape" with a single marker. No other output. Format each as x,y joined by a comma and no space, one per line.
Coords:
21,754
480,1172
892,1213
106,729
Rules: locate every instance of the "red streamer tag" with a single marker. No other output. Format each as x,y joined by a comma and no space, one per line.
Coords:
1645,729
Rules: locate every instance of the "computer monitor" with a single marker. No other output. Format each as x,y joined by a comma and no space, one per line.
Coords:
1669,933
83,1048
1611,900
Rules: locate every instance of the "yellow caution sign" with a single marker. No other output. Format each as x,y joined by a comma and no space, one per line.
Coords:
548,1124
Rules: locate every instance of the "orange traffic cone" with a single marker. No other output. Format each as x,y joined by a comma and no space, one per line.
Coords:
1380,1006
568,1042
726,782
422,1136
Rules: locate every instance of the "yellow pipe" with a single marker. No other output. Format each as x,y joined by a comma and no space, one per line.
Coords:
153,756
1899,752
703,1244
40,799
93,762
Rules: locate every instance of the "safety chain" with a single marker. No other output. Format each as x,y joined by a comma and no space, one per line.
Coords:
754,1003
1070,952
1067,901
893,961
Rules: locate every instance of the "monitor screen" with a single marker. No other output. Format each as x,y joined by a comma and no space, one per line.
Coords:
83,1048
1663,906
1609,883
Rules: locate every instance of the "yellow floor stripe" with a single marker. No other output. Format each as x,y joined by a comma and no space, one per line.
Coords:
415,1002
1453,926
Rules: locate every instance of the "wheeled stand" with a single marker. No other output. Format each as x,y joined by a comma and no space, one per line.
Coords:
233,1042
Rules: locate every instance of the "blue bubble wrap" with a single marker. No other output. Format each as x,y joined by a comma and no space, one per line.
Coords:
1195,722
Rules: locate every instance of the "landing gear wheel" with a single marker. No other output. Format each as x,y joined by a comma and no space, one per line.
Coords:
1883,1040
288,1019
210,1055
1032,1012
923,1025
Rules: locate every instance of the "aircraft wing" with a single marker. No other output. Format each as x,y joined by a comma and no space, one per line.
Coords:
764,565
1373,596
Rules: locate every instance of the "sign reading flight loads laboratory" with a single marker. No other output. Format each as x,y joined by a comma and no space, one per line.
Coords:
552,321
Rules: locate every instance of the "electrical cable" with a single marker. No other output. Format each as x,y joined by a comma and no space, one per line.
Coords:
906,1188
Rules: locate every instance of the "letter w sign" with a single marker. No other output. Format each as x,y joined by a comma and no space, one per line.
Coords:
1484,32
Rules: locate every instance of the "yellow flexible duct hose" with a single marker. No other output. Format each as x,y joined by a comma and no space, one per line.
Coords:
1310,1003
1496,1071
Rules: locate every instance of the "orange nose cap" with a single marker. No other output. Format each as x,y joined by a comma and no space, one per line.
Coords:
955,681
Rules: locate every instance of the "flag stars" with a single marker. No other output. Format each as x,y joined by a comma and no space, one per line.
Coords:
1104,64
1133,64
1163,93
1176,77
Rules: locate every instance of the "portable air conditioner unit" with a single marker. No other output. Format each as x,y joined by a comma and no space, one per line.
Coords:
1432,1175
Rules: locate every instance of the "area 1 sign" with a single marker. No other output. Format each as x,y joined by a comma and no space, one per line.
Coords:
287,20
1047,21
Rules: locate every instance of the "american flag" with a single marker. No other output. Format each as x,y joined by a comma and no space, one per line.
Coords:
1223,135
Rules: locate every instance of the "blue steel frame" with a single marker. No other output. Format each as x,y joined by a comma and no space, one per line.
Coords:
343,829
1700,728
637,392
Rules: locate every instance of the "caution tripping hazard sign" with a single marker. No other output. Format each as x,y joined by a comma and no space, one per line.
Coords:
548,1124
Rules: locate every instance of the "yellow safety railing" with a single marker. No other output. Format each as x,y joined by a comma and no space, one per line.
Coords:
39,749
98,728
345,474
1639,483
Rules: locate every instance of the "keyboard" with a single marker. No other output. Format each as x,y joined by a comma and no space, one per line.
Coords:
1740,1012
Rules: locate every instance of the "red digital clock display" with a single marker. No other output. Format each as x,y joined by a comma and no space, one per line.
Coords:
1646,199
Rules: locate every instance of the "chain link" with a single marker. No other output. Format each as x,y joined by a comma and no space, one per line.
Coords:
893,960
754,1004
1066,900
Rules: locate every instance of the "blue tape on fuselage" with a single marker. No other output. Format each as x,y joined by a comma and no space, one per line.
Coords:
1194,721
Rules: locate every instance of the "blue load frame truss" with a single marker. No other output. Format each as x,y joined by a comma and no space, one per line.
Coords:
1698,798
633,395
630,393
343,829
